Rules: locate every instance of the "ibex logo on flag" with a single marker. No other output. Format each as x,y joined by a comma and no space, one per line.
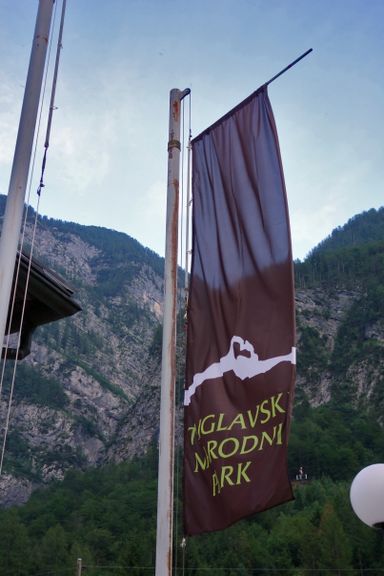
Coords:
242,360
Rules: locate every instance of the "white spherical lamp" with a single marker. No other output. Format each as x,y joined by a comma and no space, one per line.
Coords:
367,495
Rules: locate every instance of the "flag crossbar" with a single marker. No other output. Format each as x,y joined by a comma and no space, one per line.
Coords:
249,98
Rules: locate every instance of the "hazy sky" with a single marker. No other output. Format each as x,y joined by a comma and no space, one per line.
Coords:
107,162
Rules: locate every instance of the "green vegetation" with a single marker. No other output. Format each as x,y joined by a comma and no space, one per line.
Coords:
107,516
19,456
115,244
333,441
364,228
314,357
353,343
348,267
102,380
350,260
352,256
35,388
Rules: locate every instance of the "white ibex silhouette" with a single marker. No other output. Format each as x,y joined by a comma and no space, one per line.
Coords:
244,363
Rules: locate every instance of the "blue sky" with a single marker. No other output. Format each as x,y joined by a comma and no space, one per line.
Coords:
107,162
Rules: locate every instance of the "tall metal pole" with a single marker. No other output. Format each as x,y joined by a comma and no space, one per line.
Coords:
19,175
188,218
164,535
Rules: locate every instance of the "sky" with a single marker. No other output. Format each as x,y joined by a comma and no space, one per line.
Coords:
107,160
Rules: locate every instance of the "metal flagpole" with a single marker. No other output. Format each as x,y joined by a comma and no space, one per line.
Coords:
188,217
164,534
21,160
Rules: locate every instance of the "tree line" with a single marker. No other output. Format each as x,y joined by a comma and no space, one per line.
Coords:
107,516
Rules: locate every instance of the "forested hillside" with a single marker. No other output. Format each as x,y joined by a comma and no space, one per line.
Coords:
362,229
86,404
352,256
107,517
340,302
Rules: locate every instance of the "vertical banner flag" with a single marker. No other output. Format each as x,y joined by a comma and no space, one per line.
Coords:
241,329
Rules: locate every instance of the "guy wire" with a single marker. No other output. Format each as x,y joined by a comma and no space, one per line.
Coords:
33,230
27,204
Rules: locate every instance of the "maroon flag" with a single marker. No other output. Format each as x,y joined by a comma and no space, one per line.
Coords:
241,330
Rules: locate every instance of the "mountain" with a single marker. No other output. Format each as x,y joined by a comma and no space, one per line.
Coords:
340,317
88,394
364,228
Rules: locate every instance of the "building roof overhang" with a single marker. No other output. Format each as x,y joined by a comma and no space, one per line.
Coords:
49,298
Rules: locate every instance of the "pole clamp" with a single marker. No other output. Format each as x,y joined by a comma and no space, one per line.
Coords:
174,144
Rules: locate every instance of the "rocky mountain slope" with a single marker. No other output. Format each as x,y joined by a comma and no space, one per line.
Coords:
340,305
88,393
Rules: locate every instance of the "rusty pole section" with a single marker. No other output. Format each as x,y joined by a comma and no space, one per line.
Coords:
164,534
19,175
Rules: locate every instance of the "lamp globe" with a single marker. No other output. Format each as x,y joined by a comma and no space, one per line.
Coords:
367,495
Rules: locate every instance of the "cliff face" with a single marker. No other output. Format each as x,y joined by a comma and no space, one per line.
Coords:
319,316
340,317
322,319
89,394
